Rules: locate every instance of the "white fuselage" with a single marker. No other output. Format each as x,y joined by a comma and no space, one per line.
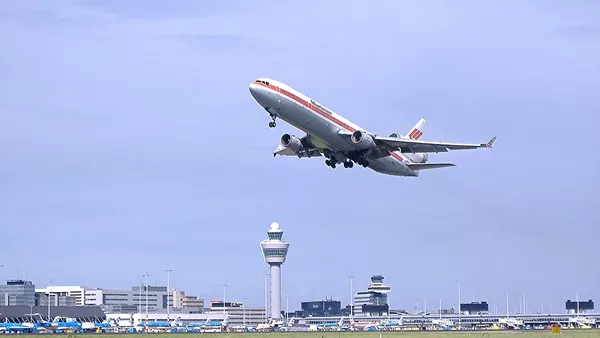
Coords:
322,124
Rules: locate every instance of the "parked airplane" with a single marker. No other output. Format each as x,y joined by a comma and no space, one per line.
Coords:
341,141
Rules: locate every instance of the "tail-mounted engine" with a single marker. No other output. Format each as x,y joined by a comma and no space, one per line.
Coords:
417,158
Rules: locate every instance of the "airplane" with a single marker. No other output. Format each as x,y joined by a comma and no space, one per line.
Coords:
341,141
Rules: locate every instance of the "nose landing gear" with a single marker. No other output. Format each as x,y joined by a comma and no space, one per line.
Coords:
273,124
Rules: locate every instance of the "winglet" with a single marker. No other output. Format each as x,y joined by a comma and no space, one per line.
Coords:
490,143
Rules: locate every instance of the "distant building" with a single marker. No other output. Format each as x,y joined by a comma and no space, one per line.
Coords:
575,307
238,314
41,299
321,308
135,300
474,308
372,302
19,314
17,292
76,292
181,300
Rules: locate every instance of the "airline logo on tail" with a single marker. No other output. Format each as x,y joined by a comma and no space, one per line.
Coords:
415,134
417,131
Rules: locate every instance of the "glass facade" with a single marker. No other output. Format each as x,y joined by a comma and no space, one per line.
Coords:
474,307
583,306
17,292
275,252
275,235
321,308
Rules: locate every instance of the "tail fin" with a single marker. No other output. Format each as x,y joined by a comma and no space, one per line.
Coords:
417,131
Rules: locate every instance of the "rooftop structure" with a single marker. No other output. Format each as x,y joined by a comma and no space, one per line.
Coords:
372,302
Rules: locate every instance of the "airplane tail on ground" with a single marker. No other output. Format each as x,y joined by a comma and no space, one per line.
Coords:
417,131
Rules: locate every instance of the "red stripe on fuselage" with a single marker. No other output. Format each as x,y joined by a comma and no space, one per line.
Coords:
317,110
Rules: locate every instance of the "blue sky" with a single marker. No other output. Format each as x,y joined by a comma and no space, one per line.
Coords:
129,141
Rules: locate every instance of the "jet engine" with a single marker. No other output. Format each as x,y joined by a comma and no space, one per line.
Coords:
364,141
291,142
420,157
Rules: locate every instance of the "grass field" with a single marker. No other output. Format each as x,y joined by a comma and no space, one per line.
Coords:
594,333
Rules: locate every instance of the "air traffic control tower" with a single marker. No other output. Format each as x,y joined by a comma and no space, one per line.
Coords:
274,252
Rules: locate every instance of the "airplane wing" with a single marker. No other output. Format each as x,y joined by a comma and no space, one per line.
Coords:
307,149
416,146
302,153
423,166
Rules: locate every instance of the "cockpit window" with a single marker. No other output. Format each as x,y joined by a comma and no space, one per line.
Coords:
263,82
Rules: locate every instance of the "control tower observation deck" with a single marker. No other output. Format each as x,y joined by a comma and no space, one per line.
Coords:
274,252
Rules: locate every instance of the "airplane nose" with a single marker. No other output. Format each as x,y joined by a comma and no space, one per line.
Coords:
259,94
253,88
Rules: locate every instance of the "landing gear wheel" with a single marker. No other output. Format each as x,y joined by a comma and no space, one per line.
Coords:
273,124
331,163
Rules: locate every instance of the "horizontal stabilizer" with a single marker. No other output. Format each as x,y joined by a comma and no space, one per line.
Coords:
423,166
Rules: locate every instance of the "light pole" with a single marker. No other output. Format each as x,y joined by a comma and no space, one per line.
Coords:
459,310
168,291
425,306
244,313
140,305
146,275
224,286
507,305
440,306
265,297
287,308
49,282
351,297
4,297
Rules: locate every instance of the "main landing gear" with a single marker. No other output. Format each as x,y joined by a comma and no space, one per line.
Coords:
332,162
363,162
353,157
